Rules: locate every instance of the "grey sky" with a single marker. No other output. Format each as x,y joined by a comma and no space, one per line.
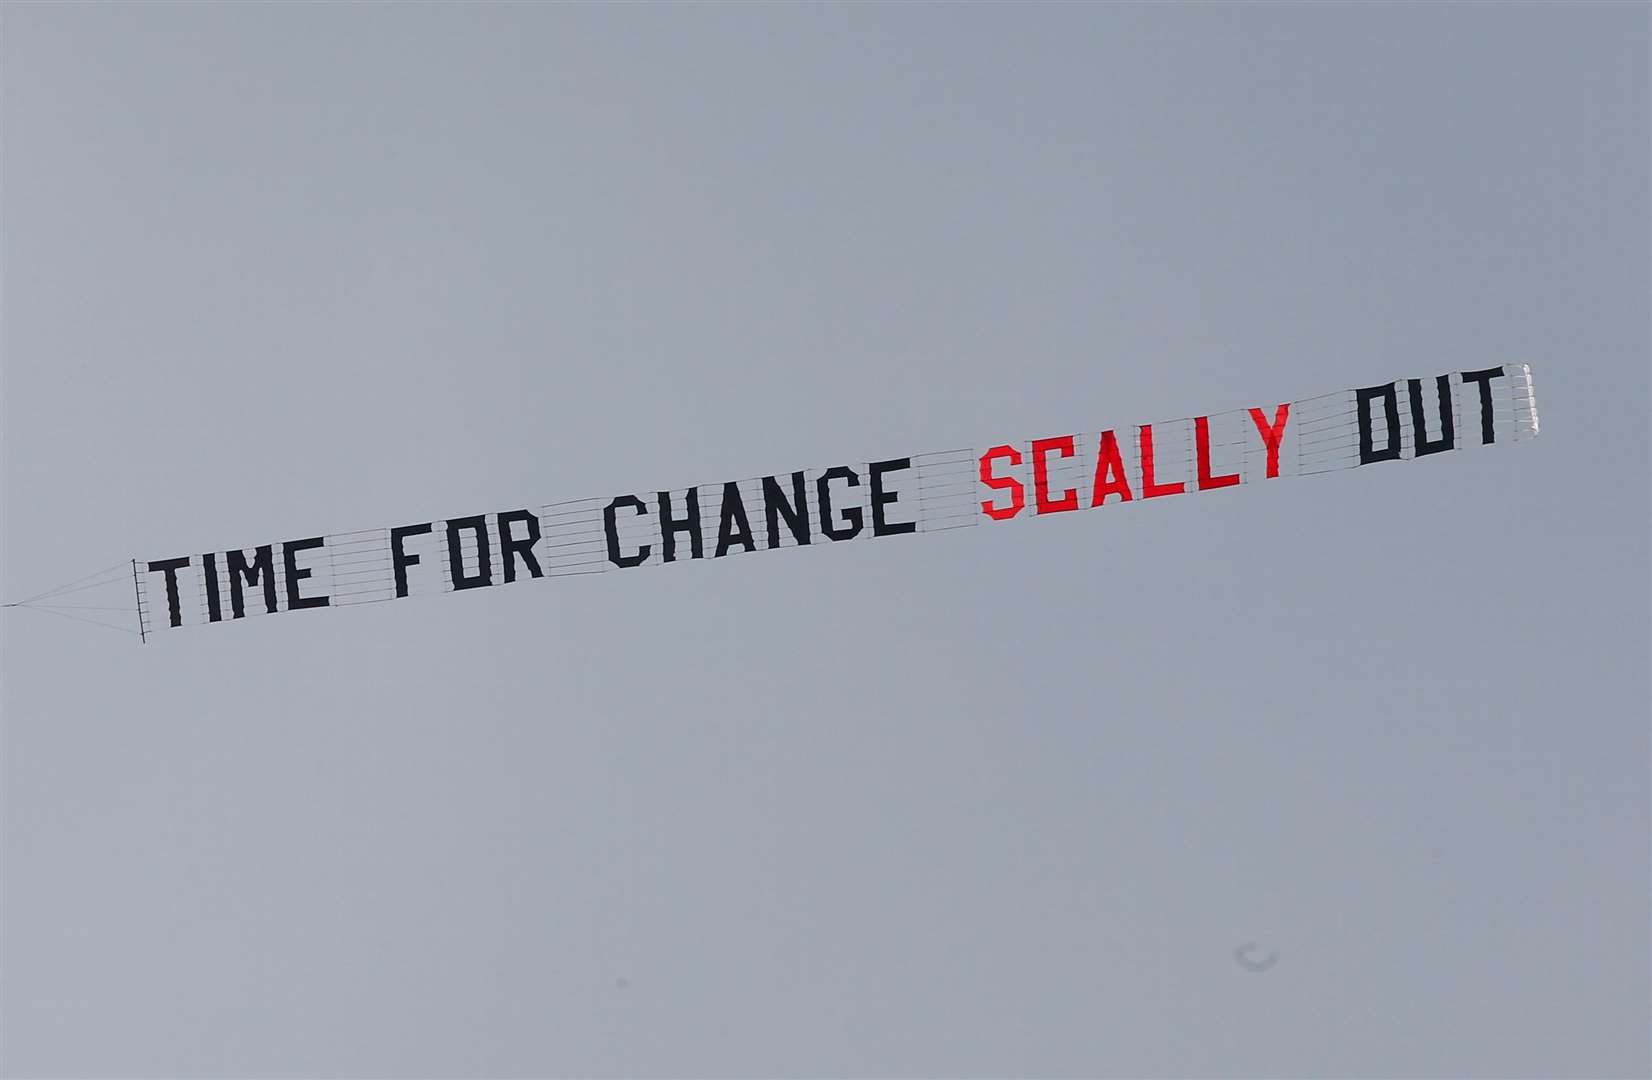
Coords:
1002,802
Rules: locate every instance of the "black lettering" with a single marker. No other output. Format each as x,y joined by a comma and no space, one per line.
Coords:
796,512
882,498
1391,410
1448,423
261,570
612,528
209,574
733,513
289,559
170,568
456,553
689,523
1488,430
400,560
851,514
511,548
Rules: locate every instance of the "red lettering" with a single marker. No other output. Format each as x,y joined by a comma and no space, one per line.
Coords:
1041,475
1150,490
1271,436
1201,443
1109,465
1018,494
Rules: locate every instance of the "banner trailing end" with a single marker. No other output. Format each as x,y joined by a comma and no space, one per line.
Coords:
1531,397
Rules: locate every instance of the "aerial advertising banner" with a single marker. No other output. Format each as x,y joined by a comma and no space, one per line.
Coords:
847,502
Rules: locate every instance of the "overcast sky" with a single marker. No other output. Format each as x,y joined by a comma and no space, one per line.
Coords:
1002,801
